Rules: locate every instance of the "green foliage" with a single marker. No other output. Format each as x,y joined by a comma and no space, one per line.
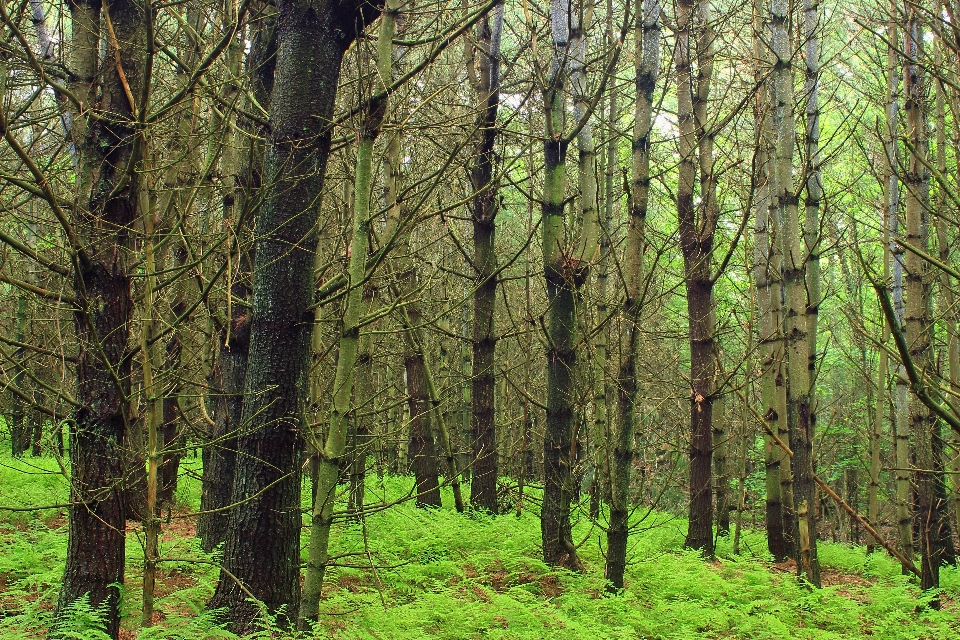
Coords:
439,574
83,621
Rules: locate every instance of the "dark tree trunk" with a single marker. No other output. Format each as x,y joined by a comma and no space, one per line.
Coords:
619,525
422,451
699,307
948,550
19,424
483,489
169,470
219,455
97,519
262,549
562,277
558,546
230,371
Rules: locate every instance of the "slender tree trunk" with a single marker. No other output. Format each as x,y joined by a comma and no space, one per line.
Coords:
951,318
466,398
900,428
721,469
647,67
876,432
603,387
767,286
802,275
919,326
336,440
483,489
747,438
696,244
154,409
359,448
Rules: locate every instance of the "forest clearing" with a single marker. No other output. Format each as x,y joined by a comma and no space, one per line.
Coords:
479,318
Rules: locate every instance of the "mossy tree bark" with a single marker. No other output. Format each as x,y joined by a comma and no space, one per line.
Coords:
564,274
647,67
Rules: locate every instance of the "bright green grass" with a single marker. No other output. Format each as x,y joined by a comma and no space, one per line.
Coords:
445,575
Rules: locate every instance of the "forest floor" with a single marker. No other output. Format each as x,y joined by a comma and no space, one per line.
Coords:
440,574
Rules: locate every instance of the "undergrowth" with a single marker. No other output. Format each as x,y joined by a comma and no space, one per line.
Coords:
410,574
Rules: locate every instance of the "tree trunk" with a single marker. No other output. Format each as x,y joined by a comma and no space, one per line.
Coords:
230,370
918,321
564,275
767,283
696,243
647,67
721,470
951,316
262,548
109,155
483,489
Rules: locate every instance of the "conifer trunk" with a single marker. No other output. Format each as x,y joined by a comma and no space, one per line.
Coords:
262,547
564,276
647,67
697,230
483,489
918,321
108,190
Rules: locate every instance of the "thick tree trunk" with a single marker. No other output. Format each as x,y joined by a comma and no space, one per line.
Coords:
230,370
97,518
564,275
262,548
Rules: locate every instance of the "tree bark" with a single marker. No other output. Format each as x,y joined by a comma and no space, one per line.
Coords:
647,67
262,549
108,189
696,244
918,321
483,489
564,276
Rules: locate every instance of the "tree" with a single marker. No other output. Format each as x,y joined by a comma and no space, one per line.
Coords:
110,149
483,489
263,534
